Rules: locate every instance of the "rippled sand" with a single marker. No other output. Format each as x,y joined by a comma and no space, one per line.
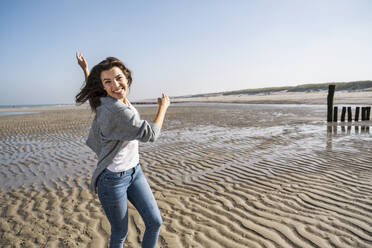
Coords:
223,175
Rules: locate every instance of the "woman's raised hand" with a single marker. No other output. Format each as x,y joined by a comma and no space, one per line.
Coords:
164,101
83,64
82,61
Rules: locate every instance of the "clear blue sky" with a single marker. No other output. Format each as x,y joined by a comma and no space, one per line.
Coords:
181,47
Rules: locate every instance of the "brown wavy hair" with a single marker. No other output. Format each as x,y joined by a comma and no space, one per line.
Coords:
93,89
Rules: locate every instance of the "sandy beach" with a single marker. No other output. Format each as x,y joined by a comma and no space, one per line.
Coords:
224,175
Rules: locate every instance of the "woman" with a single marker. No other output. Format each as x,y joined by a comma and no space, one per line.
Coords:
114,136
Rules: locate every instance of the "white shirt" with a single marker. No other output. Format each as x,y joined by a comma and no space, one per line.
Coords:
128,156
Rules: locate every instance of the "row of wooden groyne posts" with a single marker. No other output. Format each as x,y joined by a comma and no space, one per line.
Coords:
332,111
365,114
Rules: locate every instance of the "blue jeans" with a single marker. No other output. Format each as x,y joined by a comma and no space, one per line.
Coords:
114,191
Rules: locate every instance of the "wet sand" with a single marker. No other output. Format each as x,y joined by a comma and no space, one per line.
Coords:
224,175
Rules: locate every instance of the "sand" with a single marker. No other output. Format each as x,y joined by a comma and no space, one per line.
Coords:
224,175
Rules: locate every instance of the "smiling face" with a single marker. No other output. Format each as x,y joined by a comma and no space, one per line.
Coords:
115,83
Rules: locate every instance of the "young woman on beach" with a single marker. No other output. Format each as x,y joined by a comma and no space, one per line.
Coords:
114,136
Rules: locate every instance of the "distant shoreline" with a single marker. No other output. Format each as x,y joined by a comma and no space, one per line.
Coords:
14,106
357,92
353,86
285,97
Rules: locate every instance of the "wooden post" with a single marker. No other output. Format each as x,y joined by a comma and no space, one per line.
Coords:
343,112
331,93
357,109
329,129
349,118
335,113
363,113
368,113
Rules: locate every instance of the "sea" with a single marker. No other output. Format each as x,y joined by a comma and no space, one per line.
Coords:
18,108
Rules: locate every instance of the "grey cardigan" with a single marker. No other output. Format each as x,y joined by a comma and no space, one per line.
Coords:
113,124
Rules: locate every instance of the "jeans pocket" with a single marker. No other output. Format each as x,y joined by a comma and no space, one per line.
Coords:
113,176
112,187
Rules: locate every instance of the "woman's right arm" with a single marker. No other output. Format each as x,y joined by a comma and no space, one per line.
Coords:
83,64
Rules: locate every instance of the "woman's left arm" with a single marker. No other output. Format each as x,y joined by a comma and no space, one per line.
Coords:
122,123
